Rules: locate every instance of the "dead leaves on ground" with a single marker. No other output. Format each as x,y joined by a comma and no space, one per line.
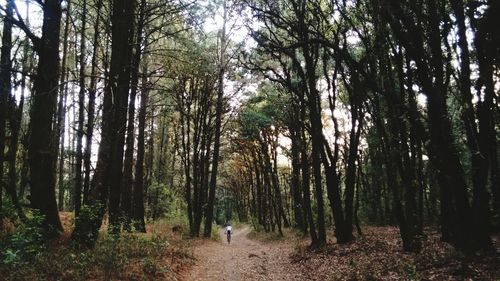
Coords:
378,255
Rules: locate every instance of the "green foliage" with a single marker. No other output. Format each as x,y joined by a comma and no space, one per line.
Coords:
265,236
170,204
267,108
412,272
214,235
223,206
128,257
109,256
149,266
25,244
8,211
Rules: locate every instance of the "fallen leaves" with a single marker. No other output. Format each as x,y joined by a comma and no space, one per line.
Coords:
378,255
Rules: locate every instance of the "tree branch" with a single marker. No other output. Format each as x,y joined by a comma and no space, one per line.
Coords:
19,22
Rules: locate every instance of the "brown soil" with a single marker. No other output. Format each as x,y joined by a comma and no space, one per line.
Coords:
377,255
243,259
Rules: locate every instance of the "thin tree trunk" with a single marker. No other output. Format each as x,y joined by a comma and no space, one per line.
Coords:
16,115
138,192
305,167
91,106
218,121
59,138
5,89
295,181
78,181
27,66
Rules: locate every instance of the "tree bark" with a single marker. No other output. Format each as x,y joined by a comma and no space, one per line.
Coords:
127,183
41,148
218,124
91,106
138,191
477,142
78,181
108,174
5,89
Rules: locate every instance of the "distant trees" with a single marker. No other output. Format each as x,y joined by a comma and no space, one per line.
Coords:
261,124
196,99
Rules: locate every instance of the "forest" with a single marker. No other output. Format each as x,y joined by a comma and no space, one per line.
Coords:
355,138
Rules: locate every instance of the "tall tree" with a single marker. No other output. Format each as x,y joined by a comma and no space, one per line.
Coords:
138,190
91,103
108,173
126,200
456,209
218,123
44,97
5,87
78,181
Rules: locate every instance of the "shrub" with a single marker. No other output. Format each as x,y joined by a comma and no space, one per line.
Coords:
128,257
25,243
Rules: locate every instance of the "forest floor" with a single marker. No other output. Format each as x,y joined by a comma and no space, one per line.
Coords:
243,259
376,255
166,252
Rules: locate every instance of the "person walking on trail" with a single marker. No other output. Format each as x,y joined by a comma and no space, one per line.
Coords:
228,232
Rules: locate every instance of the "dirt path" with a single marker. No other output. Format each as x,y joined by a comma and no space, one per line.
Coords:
243,259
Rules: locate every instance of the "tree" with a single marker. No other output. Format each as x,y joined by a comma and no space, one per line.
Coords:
457,215
5,88
44,97
218,123
108,174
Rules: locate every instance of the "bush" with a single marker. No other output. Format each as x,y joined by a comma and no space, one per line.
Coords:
128,257
25,243
215,232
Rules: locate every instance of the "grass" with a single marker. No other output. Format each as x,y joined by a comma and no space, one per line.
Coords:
158,254
261,235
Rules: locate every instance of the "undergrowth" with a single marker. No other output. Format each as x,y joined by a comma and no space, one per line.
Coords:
158,254
258,233
378,255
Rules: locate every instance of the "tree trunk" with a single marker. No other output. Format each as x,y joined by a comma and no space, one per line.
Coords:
5,89
41,147
16,115
218,121
295,181
27,65
61,129
108,174
91,106
484,42
138,192
306,178
61,112
476,140
126,200
121,54
78,181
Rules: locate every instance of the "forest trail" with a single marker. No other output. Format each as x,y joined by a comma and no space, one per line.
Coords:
243,259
